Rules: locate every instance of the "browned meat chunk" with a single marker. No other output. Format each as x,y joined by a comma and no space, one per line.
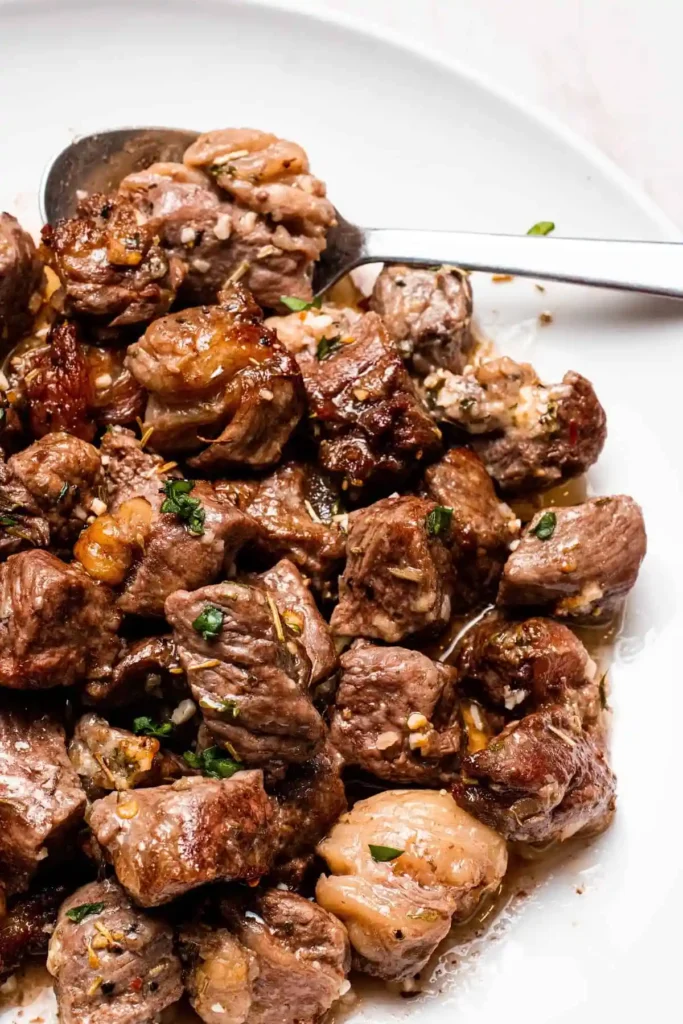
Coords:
26,927
542,778
397,579
294,507
115,395
517,666
248,671
108,758
110,264
536,434
578,563
22,524
300,957
58,389
280,216
62,474
365,411
170,839
57,626
481,527
217,374
20,274
308,802
297,607
131,471
41,799
393,714
427,313
403,863
112,963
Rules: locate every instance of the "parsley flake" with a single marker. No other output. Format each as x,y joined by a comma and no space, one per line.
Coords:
8,521
384,853
300,305
327,347
209,622
545,527
544,227
145,726
438,521
77,914
213,762
179,503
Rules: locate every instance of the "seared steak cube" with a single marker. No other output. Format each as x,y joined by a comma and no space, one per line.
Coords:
393,714
398,575
366,414
218,375
402,864
20,275
481,527
294,507
112,963
248,671
578,563
110,265
297,607
517,666
427,313
529,435
41,799
542,778
170,839
57,627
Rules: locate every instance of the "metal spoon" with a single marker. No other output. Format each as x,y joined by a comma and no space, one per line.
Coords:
97,163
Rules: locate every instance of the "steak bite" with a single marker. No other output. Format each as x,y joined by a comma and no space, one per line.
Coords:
482,527
170,839
393,714
297,607
249,673
294,507
63,475
56,385
398,575
41,800
22,524
112,963
57,626
541,778
280,216
25,929
217,375
110,263
20,276
529,435
427,313
131,471
403,863
518,666
366,414
577,563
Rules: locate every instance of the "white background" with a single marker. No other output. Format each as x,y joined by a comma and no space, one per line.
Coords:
610,69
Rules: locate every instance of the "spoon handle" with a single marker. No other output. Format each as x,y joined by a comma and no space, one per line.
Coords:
654,267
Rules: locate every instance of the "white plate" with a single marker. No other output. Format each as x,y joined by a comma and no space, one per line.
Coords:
404,140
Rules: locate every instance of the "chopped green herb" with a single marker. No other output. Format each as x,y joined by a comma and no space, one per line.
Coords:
213,762
300,305
327,347
544,227
145,726
179,503
438,521
77,914
545,527
8,520
209,622
63,492
384,853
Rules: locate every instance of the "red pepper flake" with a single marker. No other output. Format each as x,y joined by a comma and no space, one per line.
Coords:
136,984
573,432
